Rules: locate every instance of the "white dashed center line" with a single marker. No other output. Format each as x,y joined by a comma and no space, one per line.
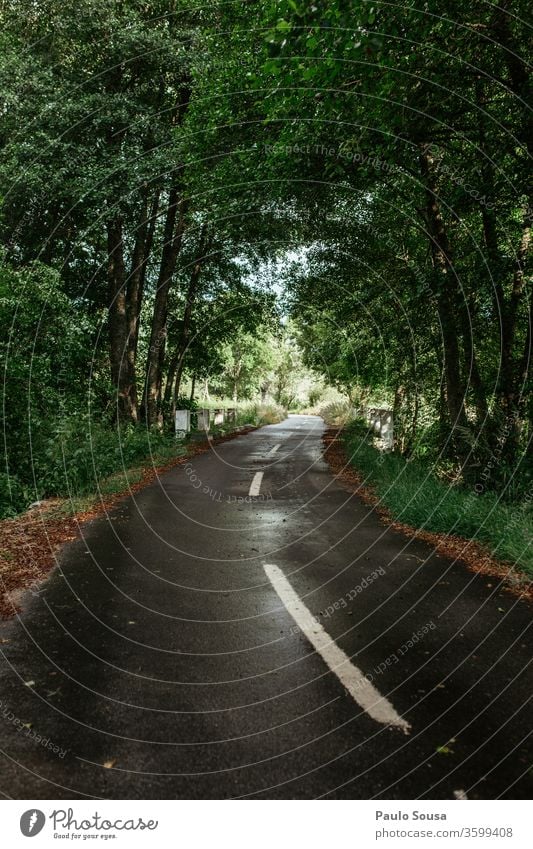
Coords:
359,687
274,449
255,486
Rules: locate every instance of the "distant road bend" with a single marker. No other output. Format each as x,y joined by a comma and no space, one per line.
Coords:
245,627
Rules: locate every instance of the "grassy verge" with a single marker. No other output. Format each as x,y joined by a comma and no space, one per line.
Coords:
106,488
79,458
414,496
29,539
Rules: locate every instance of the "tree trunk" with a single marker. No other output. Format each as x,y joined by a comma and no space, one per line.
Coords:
173,235
121,376
414,420
149,241
472,374
175,370
172,239
512,371
133,295
511,312
506,310
447,297
488,216
134,291
397,414
525,399
517,68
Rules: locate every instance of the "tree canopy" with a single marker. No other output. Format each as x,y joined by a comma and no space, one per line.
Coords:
231,195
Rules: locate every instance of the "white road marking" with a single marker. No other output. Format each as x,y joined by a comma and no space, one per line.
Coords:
359,687
274,449
255,486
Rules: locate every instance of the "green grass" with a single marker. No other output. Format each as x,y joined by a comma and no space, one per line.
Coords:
116,483
79,459
416,497
120,481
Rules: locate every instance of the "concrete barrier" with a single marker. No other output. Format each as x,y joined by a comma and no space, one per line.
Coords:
218,418
182,422
203,419
382,423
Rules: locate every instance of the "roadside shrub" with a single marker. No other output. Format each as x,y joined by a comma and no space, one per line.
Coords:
270,413
183,402
337,413
260,414
14,496
315,395
80,453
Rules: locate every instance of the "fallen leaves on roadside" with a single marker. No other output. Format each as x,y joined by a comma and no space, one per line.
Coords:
30,541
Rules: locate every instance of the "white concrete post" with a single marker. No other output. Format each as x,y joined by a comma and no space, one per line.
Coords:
203,419
182,422
387,430
381,422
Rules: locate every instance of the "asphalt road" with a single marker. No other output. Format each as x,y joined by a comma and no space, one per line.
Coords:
167,658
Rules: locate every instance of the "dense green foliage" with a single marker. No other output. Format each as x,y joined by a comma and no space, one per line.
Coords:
196,198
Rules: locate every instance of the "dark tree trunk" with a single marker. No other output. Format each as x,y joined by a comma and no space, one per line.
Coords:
121,375
513,369
414,420
512,374
448,300
488,216
138,268
175,370
125,293
517,67
173,235
506,309
510,315
472,374
134,291
397,414
172,240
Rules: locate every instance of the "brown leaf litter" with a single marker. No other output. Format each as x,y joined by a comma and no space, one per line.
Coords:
30,542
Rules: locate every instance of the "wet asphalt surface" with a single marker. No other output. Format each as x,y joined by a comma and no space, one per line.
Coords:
161,663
